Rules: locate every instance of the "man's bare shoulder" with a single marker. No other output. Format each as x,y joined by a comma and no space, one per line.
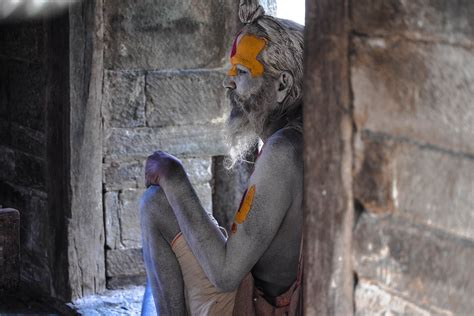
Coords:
287,142
282,154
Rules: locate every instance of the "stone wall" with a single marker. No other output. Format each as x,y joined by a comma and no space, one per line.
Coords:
412,76
23,142
164,65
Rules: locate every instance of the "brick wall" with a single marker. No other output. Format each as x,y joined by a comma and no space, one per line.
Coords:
412,76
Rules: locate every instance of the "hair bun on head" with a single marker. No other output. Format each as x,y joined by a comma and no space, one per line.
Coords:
250,11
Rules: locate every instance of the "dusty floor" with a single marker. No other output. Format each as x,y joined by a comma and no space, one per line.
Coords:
117,302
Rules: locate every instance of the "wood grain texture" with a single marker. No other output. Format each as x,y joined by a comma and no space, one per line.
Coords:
328,282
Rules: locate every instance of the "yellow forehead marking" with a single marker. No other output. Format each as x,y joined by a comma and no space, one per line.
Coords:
246,55
246,205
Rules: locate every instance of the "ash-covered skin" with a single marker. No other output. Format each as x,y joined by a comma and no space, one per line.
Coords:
267,243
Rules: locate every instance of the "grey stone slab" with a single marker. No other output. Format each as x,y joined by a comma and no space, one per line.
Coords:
178,140
120,175
425,185
185,97
415,262
413,90
449,20
124,99
9,249
371,300
125,262
112,220
129,214
168,34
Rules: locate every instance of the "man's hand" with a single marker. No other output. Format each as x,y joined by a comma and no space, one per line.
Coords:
160,166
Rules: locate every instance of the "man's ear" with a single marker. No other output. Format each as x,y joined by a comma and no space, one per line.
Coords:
284,85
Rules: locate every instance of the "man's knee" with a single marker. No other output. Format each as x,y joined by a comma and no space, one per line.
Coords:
152,205
156,213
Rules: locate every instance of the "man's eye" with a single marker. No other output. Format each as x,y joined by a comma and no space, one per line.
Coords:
241,71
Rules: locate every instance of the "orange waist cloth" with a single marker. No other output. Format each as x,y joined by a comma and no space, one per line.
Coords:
202,298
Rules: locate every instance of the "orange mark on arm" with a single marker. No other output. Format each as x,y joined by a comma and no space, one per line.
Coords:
246,205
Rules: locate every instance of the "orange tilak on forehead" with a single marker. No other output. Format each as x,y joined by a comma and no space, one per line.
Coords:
245,54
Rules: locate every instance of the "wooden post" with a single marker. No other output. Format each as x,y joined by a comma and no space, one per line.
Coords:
328,282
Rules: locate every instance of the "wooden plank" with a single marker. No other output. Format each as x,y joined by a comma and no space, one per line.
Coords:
328,282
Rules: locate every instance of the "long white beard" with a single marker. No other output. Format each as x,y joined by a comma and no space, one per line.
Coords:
241,138
247,121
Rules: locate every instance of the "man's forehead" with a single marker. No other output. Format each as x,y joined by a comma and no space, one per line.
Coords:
245,49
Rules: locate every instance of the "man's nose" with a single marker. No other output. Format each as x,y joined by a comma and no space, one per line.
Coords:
229,83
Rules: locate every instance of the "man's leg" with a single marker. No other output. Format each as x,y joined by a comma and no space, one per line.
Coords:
159,227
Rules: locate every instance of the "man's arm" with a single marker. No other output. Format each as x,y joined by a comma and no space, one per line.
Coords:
226,263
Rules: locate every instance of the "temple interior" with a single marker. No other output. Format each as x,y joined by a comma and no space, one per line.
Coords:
90,90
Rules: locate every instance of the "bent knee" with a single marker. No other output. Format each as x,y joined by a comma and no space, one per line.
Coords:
156,213
152,203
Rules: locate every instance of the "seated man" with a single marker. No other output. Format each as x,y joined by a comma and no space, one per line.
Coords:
195,267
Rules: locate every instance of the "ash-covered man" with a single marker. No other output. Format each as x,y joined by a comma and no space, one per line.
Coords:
195,267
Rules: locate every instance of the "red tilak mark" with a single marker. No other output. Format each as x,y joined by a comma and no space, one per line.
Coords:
234,45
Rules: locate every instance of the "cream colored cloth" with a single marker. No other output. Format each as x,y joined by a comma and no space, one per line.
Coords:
202,298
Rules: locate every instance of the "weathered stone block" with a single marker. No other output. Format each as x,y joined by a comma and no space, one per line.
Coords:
371,299
414,90
178,140
120,175
426,185
416,263
168,34
374,182
124,99
449,20
123,216
126,262
185,97
9,249
112,220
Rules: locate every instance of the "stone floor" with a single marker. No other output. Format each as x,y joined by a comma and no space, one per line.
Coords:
112,302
